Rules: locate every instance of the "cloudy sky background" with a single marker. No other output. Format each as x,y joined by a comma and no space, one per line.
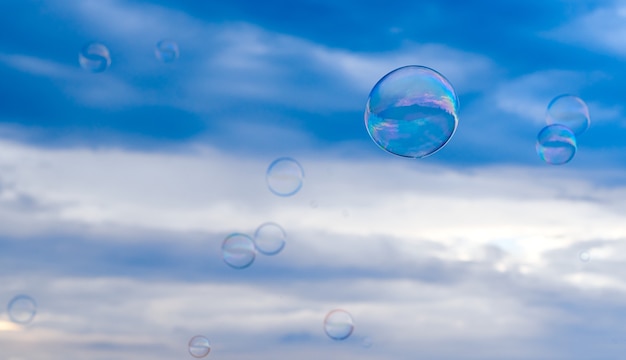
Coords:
117,189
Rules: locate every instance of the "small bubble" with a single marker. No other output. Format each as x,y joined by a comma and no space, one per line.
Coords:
570,111
166,51
94,57
199,346
556,144
313,204
269,239
338,324
238,251
284,176
22,309
584,256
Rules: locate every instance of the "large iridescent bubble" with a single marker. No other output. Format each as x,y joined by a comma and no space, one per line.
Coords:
570,111
412,112
556,144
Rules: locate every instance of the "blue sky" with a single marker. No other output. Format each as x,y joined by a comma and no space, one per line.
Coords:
117,188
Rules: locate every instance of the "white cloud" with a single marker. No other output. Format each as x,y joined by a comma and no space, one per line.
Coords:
98,90
208,190
409,248
463,69
141,319
37,66
603,29
529,95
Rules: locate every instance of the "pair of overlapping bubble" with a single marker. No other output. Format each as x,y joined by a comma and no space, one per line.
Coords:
567,116
96,57
239,250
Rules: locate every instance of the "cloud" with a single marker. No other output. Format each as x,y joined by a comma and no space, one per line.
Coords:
529,95
205,189
226,63
601,29
37,66
121,247
86,88
454,256
237,82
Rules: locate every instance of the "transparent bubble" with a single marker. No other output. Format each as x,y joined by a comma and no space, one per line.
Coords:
313,204
22,309
338,324
94,57
584,256
284,176
166,51
569,111
412,112
269,238
238,251
199,346
556,144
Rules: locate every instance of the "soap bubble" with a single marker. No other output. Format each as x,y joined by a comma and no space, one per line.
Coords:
22,309
412,112
199,346
238,251
569,111
94,57
584,256
338,324
269,238
556,144
166,51
284,176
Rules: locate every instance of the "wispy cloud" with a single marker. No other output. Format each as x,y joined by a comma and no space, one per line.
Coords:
602,29
237,62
